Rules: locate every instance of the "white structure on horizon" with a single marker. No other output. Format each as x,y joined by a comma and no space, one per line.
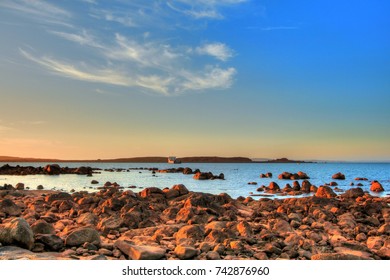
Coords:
173,160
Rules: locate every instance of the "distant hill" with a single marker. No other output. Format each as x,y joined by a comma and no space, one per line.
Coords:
19,159
203,159
284,160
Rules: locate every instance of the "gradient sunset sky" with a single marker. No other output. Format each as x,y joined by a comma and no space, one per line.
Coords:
257,78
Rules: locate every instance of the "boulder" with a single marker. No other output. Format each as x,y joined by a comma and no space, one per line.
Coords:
19,186
185,252
42,227
181,189
202,176
273,187
376,187
52,242
17,232
244,229
58,196
305,186
88,219
302,175
52,169
194,232
296,186
135,252
326,192
338,176
9,207
94,182
353,193
80,236
152,191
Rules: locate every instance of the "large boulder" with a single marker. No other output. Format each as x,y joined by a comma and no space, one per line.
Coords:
17,232
80,236
202,176
273,187
353,193
9,207
376,187
58,196
42,227
194,232
325,191
51,242
305,186
338,176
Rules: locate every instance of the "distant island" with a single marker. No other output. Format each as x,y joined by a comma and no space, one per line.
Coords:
156,159
284,160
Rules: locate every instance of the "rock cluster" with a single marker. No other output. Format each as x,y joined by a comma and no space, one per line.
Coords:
293,176
175,223
50,169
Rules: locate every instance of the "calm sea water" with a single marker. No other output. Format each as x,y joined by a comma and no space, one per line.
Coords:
235,184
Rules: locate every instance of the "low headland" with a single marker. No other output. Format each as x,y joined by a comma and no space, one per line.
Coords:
117,223
157,159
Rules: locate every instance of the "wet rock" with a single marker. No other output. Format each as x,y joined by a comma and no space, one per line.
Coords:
80,236
338,176
296,186
94,182
305,186
52,169
326,192
17,232
19,186
273,187
181,189
353,193
376,187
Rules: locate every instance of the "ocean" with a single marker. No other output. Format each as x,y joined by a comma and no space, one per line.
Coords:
237,176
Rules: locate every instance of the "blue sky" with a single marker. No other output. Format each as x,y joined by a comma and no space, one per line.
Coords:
89,79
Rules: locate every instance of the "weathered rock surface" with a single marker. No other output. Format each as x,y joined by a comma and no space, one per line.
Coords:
17,232
175,223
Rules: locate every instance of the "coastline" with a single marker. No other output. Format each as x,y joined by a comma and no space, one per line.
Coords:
176,223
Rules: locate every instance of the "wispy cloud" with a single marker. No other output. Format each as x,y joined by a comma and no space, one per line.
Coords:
272,28
202,8
83,38
145,60
214,77
217,50
40,10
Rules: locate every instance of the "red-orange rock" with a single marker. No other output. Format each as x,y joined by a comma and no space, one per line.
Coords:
325,191
376,187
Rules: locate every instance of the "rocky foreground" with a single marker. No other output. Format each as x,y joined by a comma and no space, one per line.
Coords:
178,224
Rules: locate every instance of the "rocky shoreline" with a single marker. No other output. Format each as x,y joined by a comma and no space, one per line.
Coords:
175,223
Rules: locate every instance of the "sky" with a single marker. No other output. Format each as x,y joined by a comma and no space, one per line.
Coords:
95,79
